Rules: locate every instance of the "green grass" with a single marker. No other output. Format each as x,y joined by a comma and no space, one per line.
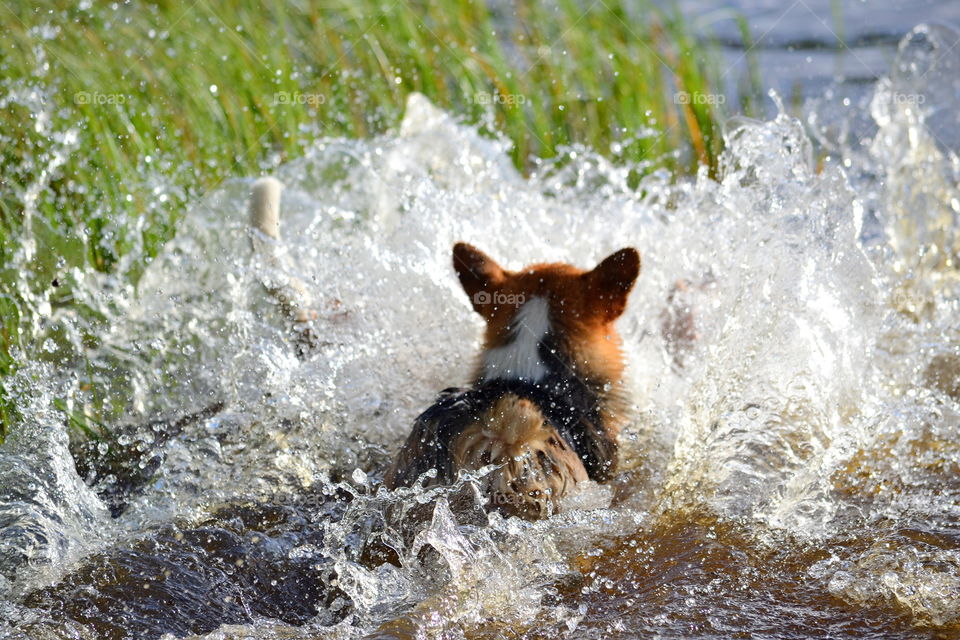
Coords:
102,105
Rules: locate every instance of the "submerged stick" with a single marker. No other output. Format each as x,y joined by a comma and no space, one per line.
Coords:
265,206
130,455
290,292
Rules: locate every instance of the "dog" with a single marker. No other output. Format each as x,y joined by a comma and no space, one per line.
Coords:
547,401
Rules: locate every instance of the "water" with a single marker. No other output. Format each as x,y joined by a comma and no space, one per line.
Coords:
803,48
791,472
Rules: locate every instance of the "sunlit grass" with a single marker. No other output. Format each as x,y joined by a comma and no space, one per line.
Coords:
114,116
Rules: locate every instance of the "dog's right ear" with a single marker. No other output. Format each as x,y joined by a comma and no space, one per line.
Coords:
479,274
610,282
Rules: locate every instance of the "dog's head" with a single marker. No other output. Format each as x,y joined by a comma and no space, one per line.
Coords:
548,306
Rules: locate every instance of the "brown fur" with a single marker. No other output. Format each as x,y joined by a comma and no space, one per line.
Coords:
537,465
583,304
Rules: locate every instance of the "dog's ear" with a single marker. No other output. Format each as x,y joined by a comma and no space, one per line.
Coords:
609,284
479,274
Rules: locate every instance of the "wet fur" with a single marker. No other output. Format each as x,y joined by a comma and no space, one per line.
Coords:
546,425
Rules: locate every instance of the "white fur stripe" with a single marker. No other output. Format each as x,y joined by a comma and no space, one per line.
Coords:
519,359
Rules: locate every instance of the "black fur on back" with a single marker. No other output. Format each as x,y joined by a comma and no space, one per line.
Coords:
571,405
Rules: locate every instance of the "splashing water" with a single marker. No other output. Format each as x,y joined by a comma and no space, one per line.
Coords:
794,364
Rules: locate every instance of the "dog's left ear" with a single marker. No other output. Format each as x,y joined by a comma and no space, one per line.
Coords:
609,284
